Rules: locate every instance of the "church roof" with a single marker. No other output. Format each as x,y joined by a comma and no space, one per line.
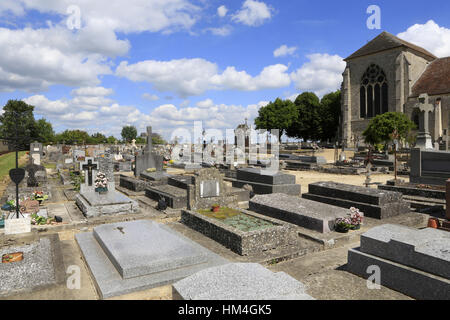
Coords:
386,41
435,79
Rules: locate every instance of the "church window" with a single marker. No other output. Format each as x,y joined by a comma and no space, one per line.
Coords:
373,92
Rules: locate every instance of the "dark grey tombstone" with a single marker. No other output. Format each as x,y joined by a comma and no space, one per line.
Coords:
146,158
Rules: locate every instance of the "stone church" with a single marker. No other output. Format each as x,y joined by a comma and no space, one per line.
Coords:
389,74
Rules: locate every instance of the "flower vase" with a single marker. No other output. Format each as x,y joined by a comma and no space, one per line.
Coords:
357,227
341,229
101,190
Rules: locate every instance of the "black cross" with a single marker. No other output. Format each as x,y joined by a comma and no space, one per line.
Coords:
89,166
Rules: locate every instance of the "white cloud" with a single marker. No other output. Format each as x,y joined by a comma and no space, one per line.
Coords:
34,59
321,75
132,16
188,77
150,97
222,11
92,91
284,50
430,36
222,31
253,13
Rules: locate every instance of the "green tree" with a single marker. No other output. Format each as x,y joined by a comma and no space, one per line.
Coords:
381,127
307,124
98,138
157,139
279,114
73,137
140,140
129,133
45,131
111,140
329,113
18,113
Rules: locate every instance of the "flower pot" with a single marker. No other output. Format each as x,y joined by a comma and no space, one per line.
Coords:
433,223
101,190
215,209
357,227
341,229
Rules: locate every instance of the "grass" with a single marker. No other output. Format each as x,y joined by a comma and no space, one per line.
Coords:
237,219
49,165
8,162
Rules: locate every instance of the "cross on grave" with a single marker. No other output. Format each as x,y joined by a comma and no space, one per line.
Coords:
148,147
88,167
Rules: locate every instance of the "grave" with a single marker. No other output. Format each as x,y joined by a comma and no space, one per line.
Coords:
208,188
429,167
94,204
264,182
305,213
121,264
374,203
146,158
413,262
42,267
36,153
243,232
240,281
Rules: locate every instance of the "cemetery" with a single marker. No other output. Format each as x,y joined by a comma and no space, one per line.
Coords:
348,187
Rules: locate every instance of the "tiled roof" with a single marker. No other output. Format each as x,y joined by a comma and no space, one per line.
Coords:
386,41
435,80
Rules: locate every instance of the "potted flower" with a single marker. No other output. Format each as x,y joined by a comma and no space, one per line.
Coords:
342,225
101,183
356,218
39,196
215,208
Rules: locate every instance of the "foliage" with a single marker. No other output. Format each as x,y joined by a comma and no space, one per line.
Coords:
77,180
97,138
381,127
39,195
306,124
157,139
140,140
329,113
111,140
73,137
39,220
18,113
129,133
45,131
279,114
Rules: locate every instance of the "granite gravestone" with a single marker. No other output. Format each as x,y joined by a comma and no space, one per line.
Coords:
414,262
423,140
32,169
147,159
94,204
121,264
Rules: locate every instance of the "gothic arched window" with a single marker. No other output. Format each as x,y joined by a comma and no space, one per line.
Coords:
373,92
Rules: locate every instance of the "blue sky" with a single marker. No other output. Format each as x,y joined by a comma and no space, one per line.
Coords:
167,63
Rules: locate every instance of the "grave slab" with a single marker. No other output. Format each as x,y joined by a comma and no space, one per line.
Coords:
302,212
262,176
162,250
427,249
109,281
240,281
176,198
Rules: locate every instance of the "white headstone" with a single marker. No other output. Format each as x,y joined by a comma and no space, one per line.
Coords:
17,226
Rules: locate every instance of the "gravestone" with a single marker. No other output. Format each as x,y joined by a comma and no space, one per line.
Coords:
146,158
29,206
208,188
423,141
302,212
36,153
264,182
31,170
374,203
121,264
94,204
17,226
240,281
447,200
413,262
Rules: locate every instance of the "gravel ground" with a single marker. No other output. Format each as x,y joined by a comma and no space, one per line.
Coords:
36,269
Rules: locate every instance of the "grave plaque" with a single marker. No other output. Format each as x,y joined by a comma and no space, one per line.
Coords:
17,226
17,175
209,188
29,206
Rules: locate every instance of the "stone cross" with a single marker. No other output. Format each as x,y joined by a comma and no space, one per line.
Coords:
88,167
423,137
148,147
